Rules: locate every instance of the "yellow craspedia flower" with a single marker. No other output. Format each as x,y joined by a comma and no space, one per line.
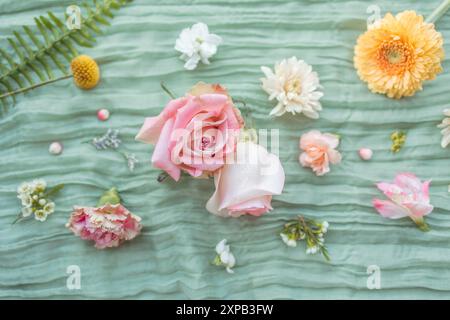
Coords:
86,73
397,54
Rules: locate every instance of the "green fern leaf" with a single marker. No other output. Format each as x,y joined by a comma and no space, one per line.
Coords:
31,55
51,40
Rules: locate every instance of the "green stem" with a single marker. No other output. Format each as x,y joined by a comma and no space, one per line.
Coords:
19,217
438,12
37,85
162,176
421,224
166,90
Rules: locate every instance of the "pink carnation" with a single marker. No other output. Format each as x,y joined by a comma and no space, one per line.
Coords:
108,225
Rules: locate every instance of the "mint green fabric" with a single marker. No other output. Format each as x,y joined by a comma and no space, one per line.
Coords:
171,258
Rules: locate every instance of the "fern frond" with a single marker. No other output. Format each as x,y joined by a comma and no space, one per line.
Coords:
34,53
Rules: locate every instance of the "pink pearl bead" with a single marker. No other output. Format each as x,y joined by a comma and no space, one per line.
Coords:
365,153
103,114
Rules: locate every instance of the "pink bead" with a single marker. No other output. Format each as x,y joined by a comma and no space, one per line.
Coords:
103,114
365,153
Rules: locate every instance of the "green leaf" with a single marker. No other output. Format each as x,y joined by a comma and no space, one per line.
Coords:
61,67
8,87
50,26
56,21
4,106
53,191
31,55
17,79
47,67
63,52
80,41
43,31
102,20
24,44
70,47
107,13
91,25
33,38
17,50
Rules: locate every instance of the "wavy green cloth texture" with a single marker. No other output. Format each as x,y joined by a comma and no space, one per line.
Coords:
172,257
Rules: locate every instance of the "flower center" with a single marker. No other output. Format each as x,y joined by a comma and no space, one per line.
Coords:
207,142
199,40
293,85
395,56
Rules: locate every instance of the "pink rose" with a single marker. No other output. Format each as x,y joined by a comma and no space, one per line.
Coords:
108,225
247,185
319,151
408,197
195,133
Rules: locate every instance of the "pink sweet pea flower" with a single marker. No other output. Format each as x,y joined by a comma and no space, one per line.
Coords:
195,133
319,151
408,197
108,225
247,185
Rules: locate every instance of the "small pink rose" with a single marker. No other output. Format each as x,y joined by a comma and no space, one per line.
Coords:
319,151
247,185
195,133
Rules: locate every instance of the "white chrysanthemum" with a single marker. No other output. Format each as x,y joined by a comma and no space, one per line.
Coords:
445,126
197,44
295,86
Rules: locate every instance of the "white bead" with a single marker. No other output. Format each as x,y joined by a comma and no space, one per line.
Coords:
55,148
365,153
103,114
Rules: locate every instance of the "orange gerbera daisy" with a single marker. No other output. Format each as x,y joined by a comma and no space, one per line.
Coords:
398,53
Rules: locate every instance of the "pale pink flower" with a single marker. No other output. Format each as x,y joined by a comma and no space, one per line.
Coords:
108,225
408,197
195,133
247,186
319,151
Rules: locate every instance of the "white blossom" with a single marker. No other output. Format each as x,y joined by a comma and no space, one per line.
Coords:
224,256
197,44
40,215
26,211
34,200
287,240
